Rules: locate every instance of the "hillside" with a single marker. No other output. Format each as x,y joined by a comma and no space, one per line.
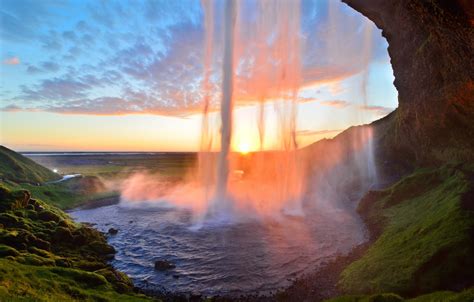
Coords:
423,229
20,169
49,256
52,258
18,172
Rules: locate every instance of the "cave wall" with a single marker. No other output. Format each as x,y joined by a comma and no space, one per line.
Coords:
431,46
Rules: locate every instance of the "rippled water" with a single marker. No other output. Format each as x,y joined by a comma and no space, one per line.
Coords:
219,258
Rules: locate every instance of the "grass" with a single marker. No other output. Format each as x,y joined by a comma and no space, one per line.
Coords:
46,256
20,282
424,230
440,296
65,195
18,168
119,166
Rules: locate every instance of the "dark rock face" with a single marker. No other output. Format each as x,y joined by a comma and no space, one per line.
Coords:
163,265
431,46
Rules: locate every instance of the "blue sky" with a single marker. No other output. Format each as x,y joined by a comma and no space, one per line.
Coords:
115,58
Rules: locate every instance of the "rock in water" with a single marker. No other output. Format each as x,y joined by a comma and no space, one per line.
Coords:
113,231
163,265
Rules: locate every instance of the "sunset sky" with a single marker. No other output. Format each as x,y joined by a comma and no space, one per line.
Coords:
126,76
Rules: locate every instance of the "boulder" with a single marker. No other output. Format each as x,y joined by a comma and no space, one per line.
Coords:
101,248
163,265
113,231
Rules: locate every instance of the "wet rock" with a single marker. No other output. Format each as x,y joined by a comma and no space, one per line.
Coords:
195,296
101,248
163,265
113,231
119,280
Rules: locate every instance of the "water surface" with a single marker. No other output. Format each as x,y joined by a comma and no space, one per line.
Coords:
224,258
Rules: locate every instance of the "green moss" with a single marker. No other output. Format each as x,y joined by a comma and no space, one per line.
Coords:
371,298
440,296
425,238
45,256
6,251
446,296
19,282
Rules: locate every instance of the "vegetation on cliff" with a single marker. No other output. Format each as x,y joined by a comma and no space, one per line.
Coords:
423,230
44,254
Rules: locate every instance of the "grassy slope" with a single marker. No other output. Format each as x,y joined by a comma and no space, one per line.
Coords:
45,256
19,172
442,296
65,195
20,169
424,225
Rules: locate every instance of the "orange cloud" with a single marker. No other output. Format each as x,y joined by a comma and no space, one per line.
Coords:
11,61
336,103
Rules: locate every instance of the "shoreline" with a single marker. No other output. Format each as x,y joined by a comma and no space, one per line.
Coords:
97,203
316,286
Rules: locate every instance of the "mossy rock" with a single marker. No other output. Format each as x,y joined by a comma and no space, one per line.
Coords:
119,280
371,298
15,239
424,236
88,278
62,262
32,259
40,252
46,256
63,235
6,251
9,219
92,265
13,200
38,242
46,215
101,248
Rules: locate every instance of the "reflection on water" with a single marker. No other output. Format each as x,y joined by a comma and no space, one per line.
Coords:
221,258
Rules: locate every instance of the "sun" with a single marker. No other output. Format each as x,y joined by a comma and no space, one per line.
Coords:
243,148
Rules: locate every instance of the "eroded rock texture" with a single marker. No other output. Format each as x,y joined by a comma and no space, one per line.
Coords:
431,45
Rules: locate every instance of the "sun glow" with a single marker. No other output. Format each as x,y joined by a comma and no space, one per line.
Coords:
243,148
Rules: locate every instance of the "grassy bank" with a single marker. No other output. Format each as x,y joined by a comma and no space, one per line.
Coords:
440,296
67,194
423,227
45,256
19,172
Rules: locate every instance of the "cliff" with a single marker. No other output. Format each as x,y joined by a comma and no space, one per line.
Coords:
431,46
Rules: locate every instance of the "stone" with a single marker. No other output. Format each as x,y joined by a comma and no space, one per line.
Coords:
113,231
163,265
